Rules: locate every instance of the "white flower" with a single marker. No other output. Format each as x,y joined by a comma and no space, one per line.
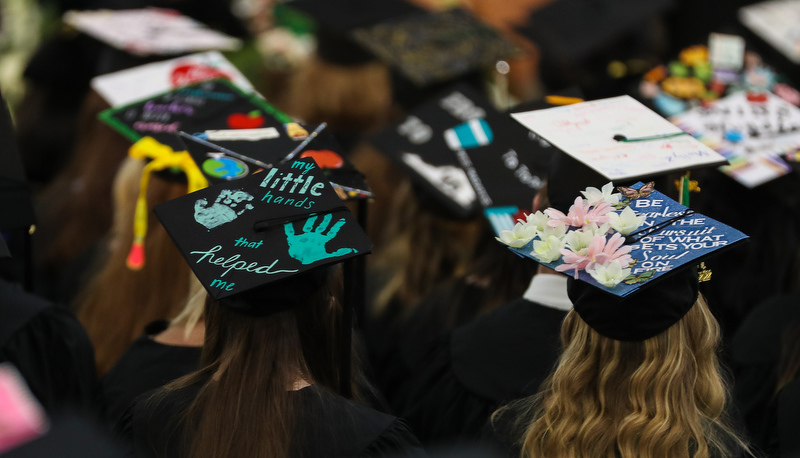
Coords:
548,250
538,220
596,196
595,230
559,231
626,221
519,236
610,274
546,226
578,241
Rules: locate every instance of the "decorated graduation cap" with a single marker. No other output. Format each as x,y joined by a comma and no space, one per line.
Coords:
335,19
434,47
426,143
508,172
246,240
620,138
631,253
209,105
232,154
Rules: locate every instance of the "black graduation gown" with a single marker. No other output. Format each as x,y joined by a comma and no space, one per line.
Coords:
49,347
501,356
145,366
784,440
755,351
69,436
329,426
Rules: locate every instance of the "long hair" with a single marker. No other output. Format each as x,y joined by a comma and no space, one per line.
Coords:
249,367
349,98
117,303
663,397
422,250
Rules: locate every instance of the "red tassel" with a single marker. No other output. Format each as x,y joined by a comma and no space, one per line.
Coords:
135,259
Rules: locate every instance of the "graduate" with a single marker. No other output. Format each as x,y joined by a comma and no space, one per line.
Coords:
276,352
42,339
165,351
468,373
638,374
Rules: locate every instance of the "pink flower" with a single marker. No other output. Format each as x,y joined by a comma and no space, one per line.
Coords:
600,251
580,214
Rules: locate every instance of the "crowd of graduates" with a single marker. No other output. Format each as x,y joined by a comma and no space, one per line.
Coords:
153,306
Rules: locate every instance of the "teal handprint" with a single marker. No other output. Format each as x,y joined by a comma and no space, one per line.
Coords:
309,247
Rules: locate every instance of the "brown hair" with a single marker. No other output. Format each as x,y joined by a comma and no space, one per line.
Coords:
422,250
76,208
249,366
348,98
117,303
662,397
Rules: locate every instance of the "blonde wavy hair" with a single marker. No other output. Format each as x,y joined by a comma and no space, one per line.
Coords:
663,397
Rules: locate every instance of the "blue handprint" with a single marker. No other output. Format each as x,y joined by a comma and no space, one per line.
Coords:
309,247
223,211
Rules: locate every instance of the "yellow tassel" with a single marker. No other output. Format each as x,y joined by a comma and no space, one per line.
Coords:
162,157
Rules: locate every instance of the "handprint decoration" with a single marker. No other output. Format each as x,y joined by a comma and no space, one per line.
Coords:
309,247
224,208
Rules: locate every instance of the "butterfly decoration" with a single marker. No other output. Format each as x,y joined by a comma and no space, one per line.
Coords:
639,278
631,194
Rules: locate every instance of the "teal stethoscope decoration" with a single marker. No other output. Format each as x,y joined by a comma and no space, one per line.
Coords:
471,134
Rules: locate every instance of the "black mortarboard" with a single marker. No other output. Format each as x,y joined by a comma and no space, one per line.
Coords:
571,30
507,173
639,316
335,19
4,253
16,207
229,155
216,104
242,238
434,47
420,143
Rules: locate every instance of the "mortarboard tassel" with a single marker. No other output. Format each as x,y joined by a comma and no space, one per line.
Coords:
162,157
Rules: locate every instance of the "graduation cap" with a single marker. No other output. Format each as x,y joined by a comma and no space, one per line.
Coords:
247,240
209,105
335,19
434,47
426,142
572,30
229,155
507,173
620,138
630,253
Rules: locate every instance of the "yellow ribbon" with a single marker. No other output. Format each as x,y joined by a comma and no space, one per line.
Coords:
161,157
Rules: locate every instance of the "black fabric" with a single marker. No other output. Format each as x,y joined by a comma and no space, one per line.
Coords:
644,314
754,354
566,179
501,356
328,426
145,366
16,207
70,436
788,421
51,350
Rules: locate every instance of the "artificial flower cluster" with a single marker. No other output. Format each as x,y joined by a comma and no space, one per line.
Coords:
580,238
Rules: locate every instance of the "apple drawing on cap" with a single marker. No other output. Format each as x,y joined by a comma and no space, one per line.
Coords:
250,120
325,159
